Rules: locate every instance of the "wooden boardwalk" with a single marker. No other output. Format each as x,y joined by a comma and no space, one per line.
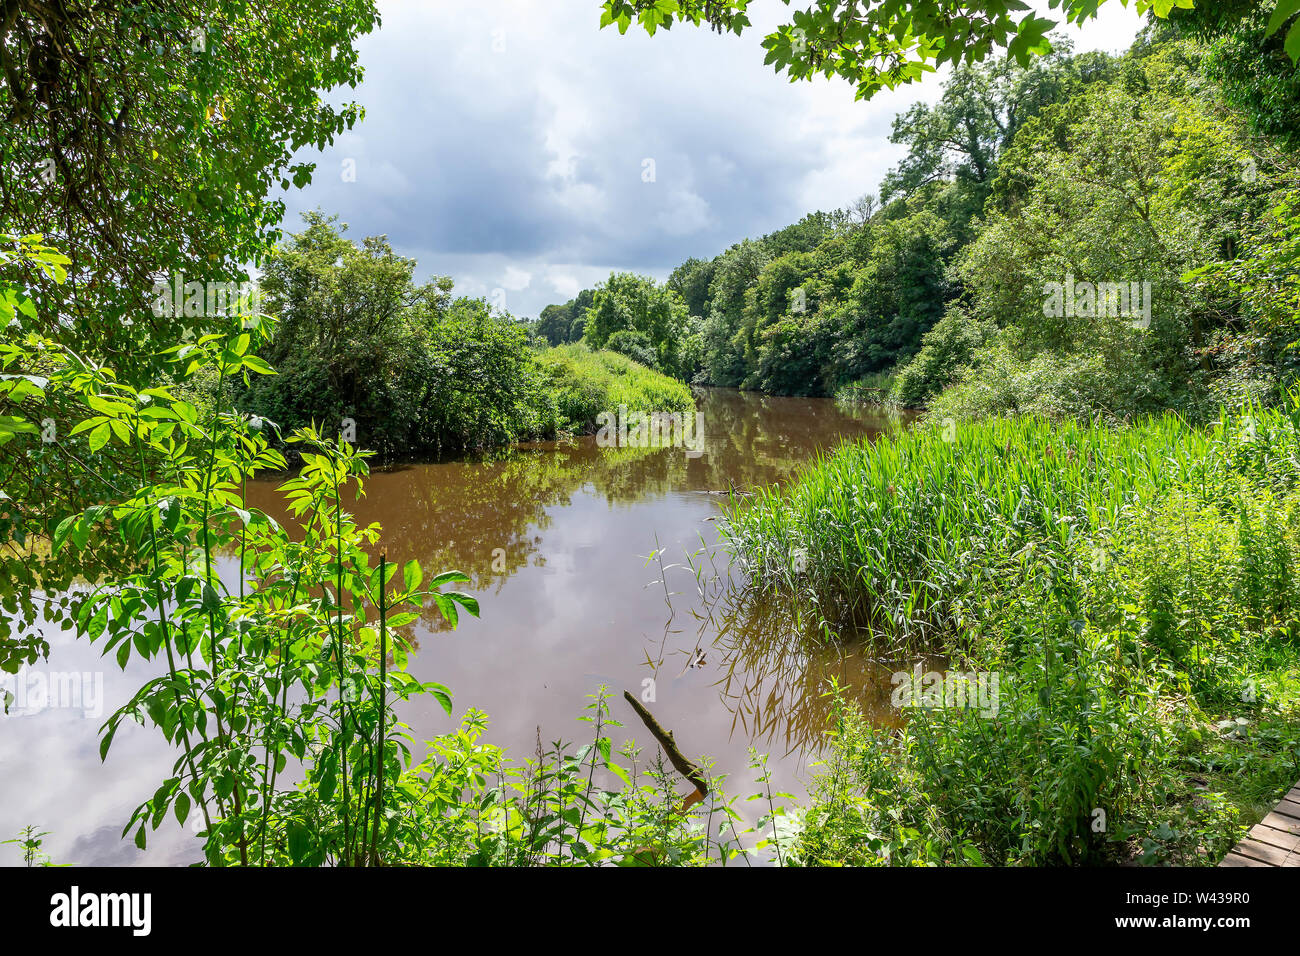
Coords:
1275,840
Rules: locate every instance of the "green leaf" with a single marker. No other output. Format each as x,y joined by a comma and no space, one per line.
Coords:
412,575
299,842
99,437
1283,12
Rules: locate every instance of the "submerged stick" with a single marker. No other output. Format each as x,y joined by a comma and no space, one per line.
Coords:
683,766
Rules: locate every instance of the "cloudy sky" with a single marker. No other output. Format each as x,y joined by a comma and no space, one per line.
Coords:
516,147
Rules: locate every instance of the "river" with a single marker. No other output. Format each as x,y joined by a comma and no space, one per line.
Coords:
558,539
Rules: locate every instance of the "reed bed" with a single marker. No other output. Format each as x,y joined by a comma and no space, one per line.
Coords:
902,536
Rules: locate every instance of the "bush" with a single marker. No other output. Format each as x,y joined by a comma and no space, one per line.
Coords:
634,345
946,351
585,383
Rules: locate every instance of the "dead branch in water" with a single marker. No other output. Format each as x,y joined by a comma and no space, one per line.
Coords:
683,766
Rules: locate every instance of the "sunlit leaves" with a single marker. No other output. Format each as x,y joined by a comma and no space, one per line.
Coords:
883,45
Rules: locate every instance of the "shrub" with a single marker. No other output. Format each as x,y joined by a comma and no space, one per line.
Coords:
586,383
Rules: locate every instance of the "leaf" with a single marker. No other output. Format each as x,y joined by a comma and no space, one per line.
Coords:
1283,12
299,842
62,531
464,600
449,577
211,600
412,575
99,436
441,694
106,741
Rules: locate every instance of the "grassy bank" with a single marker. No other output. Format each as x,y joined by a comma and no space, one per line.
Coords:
583,383
877,388
1134,591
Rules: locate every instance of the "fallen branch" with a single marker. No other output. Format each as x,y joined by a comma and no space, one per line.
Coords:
683,766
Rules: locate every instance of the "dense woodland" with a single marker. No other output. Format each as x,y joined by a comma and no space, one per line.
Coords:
1157,166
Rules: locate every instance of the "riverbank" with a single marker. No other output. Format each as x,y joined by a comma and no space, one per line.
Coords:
1133,589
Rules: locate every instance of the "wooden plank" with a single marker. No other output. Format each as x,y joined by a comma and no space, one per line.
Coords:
1275,840
1279,822
1235,859
1288,809
1270,855
1278,838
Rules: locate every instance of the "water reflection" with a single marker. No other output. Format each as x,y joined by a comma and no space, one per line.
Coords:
556,539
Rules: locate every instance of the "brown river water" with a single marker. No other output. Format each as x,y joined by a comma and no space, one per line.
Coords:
557,538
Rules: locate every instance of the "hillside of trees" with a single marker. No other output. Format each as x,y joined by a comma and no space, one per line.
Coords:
1156,167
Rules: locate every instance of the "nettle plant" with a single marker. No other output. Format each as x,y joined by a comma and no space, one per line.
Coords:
290,663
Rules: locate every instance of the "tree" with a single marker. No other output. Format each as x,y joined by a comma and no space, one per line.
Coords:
1102,207
144,140
562,324
1251,59
884,45
691,281
978,115
416,370
632,303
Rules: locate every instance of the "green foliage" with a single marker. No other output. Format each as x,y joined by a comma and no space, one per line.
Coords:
880,46
563,324
31,841
417,372
287,665
1259,364
41,478
945,351
1135,590
655,327
634,345
1252,59
961,137
149,137
1142,180
586,383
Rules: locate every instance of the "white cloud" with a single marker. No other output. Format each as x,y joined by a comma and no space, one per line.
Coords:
516,279
504,138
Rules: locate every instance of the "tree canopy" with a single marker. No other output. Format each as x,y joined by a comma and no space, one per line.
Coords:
885,44
147,142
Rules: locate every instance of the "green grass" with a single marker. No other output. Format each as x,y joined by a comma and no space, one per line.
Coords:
586,382
1135,588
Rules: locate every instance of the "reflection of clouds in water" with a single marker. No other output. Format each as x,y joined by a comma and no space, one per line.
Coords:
575,606
53,777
